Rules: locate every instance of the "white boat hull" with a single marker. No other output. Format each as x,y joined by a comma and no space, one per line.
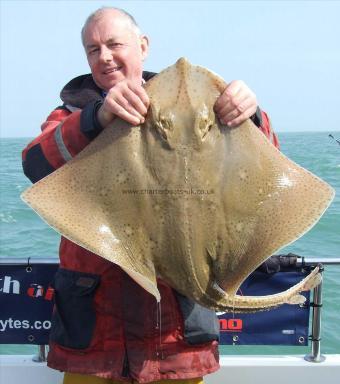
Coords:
234,369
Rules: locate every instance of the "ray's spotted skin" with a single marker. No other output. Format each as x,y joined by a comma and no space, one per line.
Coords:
184,198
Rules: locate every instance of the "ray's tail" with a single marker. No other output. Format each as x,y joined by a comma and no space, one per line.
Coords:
237,303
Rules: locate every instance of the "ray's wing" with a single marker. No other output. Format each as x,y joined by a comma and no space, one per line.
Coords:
269,201
94,201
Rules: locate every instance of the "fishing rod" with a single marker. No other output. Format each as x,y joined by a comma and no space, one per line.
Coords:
331,136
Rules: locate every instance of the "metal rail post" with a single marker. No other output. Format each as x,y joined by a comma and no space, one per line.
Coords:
315,355
41,357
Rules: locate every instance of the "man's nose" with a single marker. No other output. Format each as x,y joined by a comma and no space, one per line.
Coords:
105,54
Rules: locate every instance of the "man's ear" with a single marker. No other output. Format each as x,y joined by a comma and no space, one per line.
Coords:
144,40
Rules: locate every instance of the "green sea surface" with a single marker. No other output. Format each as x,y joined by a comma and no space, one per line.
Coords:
24,234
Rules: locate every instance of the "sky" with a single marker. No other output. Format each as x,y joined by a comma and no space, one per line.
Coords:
288,52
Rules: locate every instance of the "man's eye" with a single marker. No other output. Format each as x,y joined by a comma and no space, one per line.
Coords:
115,45
92,51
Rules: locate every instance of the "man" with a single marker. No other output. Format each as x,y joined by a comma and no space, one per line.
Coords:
106,328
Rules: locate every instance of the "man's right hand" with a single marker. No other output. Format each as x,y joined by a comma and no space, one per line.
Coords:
126,100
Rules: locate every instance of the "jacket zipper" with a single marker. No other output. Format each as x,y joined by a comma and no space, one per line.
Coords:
125,371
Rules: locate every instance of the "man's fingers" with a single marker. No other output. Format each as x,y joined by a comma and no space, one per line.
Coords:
128,117
241,109
135,101
127,100
228,94
241,118
122,109
232,105
141,93
236,104
127,105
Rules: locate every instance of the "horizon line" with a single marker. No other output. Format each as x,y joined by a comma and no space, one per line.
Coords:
278,132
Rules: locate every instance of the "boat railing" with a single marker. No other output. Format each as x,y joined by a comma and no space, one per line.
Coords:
301,262
315,355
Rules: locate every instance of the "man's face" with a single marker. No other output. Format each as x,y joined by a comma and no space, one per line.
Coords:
114,51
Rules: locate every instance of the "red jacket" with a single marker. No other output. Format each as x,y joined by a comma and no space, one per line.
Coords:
104,323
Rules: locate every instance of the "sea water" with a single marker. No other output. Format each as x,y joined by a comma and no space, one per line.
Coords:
24,234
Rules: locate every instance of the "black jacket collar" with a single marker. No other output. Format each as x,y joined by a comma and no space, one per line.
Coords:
82,90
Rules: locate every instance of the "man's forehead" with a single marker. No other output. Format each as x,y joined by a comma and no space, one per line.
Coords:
111,19
108,28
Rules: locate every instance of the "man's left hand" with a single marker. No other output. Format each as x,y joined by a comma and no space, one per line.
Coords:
236,104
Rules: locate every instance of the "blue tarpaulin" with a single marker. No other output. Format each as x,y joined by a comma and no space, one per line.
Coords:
26,303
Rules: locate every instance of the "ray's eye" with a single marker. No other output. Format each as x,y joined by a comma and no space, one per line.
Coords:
204,126
204,121
164,125
166,122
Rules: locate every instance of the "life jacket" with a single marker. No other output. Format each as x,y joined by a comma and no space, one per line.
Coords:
107,325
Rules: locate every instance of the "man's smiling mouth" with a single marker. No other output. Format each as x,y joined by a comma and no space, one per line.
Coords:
111,70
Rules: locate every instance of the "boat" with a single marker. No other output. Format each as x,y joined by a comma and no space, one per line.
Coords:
313,368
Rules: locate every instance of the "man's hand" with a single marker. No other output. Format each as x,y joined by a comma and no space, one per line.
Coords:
126,100
236,104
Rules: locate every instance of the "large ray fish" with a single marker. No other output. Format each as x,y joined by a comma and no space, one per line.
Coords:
184,198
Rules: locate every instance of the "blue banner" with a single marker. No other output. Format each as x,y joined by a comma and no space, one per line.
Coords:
26,303
285,325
